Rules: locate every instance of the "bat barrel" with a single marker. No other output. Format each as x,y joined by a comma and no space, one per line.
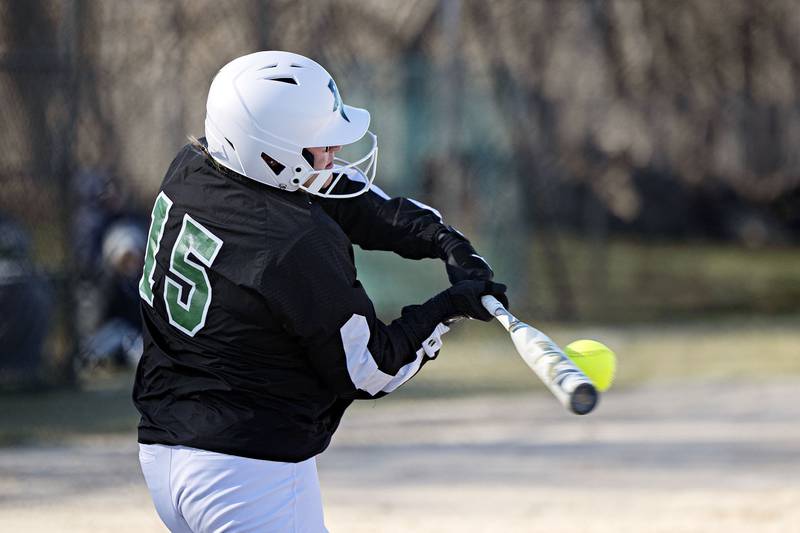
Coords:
565,380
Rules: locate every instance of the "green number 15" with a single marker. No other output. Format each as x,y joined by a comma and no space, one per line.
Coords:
188,313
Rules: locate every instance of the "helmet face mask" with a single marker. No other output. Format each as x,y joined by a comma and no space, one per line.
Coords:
265,108
365,166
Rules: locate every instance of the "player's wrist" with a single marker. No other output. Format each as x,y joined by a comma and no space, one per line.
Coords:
447,239
464,300
441,307
462,261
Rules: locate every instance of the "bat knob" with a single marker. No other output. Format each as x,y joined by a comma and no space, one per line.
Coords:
584,398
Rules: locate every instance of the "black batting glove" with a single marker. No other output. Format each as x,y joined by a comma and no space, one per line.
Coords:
461,259
464,299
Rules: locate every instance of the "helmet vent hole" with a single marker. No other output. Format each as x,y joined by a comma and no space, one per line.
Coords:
276,167
273,65
283,79
229,142
295,181
295,65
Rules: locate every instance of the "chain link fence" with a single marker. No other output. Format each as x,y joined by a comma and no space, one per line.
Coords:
615,160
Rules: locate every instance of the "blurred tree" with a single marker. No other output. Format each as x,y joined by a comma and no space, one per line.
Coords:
662,120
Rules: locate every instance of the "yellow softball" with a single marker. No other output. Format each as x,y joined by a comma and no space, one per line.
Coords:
596,360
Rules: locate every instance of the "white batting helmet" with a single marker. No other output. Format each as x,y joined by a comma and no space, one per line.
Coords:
265,108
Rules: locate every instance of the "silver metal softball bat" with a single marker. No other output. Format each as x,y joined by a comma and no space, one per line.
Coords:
565,380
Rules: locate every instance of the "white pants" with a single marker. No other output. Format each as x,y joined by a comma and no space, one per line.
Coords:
196,491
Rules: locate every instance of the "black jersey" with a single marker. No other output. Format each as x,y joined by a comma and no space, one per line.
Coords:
257,332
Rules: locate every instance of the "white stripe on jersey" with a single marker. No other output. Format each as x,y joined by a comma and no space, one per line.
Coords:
426,206
363,369
357,176
354,175
377,190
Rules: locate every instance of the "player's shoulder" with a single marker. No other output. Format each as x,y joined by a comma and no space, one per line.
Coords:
187,157
239,208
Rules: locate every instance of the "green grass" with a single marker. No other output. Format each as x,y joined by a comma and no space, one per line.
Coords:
477,358
634,280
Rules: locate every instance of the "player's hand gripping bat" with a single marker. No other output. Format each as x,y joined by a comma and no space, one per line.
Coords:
566,381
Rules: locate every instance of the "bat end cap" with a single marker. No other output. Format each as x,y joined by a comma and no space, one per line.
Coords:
584,399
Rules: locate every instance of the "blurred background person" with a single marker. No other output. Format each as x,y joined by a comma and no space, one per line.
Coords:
116,339
109,237
101,203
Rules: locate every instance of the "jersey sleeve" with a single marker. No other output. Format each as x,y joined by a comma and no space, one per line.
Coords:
375,221
321,304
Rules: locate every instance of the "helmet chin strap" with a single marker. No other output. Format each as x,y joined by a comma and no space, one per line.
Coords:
319,181
318,178
315,178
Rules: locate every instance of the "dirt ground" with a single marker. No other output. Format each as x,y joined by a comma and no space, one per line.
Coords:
690,458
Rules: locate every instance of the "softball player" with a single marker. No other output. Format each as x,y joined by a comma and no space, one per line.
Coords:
257,332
